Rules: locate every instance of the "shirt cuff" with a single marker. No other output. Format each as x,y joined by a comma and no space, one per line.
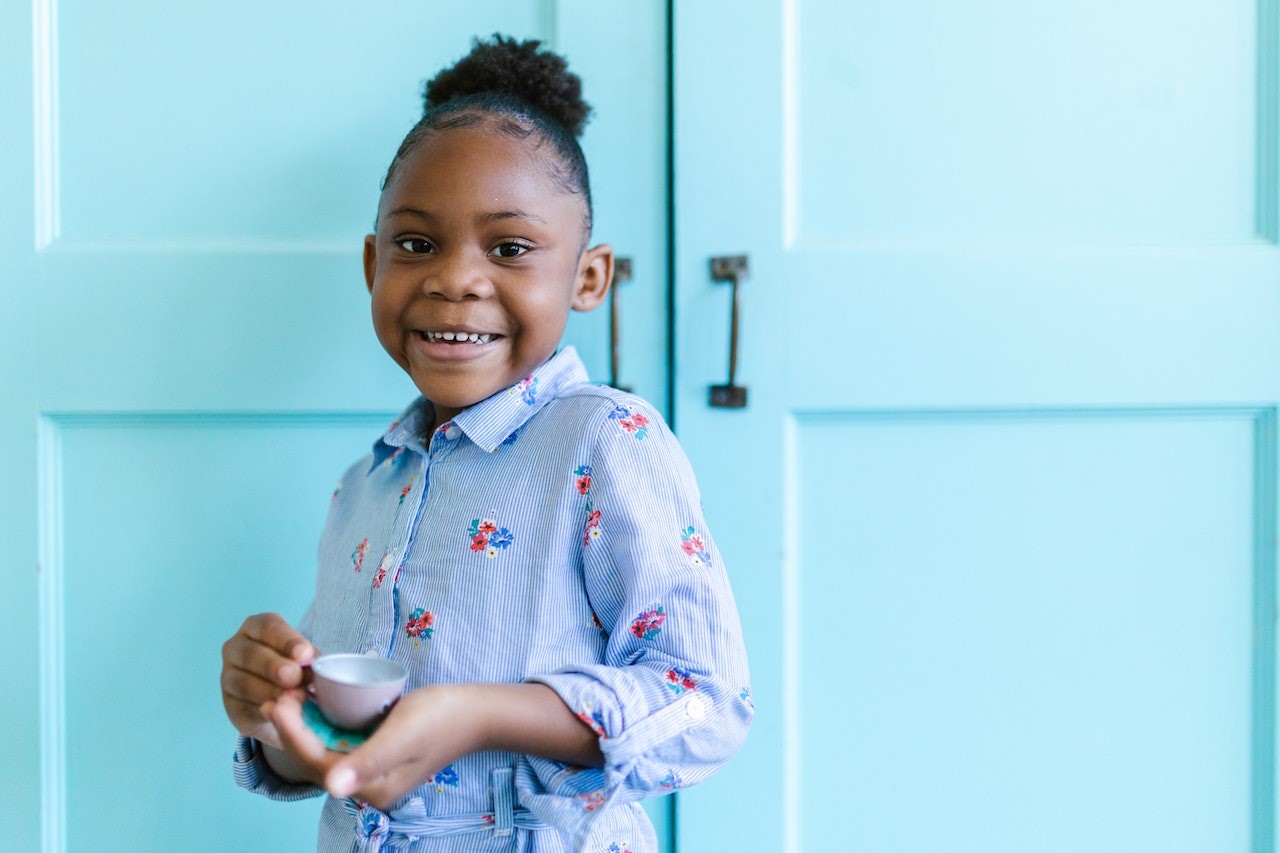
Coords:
632,714
583,801
253,773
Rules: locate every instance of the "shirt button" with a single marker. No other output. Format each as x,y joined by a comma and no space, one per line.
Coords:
696,708
451,432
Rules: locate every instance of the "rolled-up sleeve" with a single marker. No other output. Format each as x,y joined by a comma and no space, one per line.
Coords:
671,702
253,773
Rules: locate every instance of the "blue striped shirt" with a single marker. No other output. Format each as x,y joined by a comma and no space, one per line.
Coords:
550,533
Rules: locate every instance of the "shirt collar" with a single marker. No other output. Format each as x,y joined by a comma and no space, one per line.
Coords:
492,421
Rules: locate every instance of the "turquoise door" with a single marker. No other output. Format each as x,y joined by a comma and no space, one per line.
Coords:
187,363
1001,510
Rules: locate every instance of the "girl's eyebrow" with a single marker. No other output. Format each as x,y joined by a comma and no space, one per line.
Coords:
482,219
415,212
509,214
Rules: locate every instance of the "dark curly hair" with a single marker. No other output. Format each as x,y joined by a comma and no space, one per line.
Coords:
521,91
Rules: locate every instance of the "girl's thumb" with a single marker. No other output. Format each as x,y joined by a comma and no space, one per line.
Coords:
341,781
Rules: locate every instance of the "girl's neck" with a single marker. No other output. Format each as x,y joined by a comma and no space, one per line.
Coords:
439,417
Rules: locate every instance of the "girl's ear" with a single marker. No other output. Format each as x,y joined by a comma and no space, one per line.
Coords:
370,259
595,275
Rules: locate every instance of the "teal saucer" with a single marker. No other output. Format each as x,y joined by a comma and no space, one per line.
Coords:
339,740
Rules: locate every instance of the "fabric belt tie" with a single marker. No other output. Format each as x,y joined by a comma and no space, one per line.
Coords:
377,830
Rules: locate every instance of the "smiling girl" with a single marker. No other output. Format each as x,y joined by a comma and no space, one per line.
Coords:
569,651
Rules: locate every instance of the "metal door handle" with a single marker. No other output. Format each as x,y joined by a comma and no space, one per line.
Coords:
730,268
621,274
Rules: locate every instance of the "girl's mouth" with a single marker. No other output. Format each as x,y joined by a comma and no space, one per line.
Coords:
456,337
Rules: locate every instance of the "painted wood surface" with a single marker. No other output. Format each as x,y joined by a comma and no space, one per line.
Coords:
187,363
1001,511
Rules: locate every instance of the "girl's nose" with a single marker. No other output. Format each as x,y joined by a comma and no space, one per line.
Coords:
456,276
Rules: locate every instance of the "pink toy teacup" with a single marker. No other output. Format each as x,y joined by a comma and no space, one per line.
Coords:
356,691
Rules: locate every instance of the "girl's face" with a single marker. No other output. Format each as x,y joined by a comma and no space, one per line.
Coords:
475,265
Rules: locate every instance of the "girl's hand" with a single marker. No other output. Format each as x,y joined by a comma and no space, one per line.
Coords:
427,729
261,663
430,728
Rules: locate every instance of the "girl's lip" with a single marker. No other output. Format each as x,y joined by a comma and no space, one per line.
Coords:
452,351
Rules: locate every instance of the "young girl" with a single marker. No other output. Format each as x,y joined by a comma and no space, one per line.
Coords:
528,545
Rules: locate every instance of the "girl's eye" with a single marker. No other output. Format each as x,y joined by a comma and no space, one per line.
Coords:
415,245
509,250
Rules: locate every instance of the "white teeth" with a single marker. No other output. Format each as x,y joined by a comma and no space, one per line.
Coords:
469,337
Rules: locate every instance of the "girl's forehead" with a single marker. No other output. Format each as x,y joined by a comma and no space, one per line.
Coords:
476,158
480,171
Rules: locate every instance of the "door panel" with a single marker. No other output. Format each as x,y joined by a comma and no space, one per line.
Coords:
970,651
188,364
148,585
1005,556
1100,122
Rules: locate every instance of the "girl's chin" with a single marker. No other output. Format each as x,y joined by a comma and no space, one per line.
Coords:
449,399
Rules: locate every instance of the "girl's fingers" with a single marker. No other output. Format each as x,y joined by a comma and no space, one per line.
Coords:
267,733
295,737
381,771
380,792
263,730
343,781
349,777
243,696
247,687
260,664
251,722
270,630
245,716
387,766
244,653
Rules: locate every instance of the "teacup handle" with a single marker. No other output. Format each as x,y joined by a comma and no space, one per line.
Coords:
308,679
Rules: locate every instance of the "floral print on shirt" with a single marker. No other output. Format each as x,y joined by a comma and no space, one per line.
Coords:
648,624
448,776
594,721
582,482
357,556
421,625
630,420
404,493
691,543
526,389
388,559
488,538
591,800
679,680
583,479
373,824
592,529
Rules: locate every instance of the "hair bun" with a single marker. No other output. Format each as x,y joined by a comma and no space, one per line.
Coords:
504,66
